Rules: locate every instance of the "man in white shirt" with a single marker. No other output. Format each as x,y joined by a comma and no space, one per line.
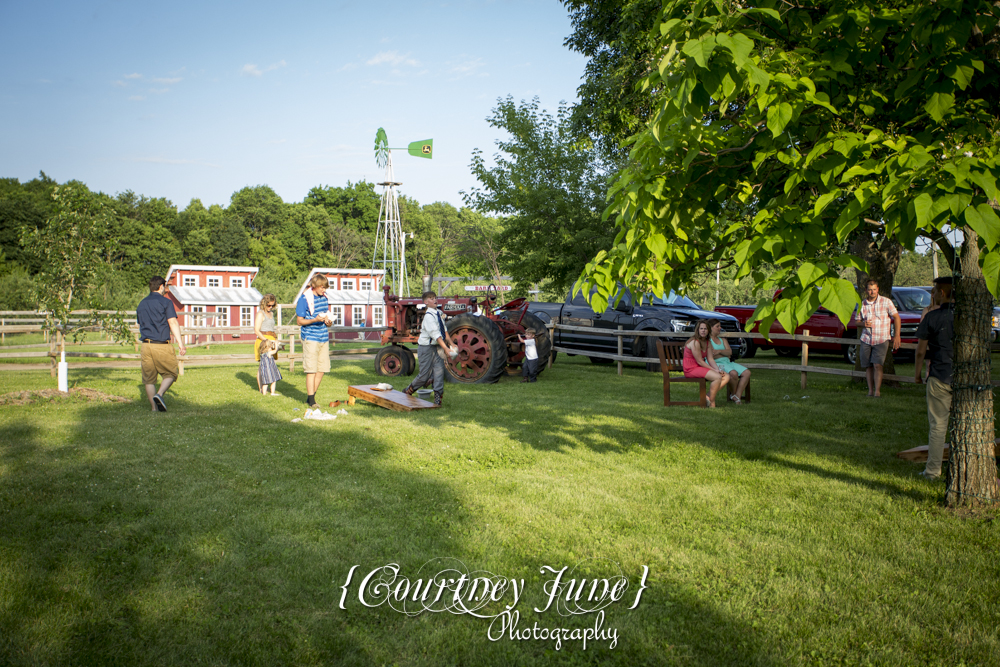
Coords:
433,334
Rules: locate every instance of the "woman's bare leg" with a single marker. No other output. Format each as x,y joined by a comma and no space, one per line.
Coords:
718,380
744,381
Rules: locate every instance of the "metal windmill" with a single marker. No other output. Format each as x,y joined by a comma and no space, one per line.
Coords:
390,243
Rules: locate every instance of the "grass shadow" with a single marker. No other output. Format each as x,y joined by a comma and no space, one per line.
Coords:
221,533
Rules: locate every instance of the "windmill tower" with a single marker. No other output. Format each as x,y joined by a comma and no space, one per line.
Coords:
390,242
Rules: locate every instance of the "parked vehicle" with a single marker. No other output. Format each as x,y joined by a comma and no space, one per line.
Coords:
670,314
909,301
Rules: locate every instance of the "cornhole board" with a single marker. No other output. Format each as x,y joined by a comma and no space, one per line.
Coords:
392,399
920,453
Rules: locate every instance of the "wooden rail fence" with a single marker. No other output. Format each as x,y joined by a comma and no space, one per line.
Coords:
804,368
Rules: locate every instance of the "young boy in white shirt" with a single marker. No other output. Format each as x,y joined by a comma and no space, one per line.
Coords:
529,368
433,334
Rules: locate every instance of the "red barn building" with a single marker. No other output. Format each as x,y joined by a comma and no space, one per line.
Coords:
356,300
214,296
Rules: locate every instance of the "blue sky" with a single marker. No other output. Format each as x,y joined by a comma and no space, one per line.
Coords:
198,99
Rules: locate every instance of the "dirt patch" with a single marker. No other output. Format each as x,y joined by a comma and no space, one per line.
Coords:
27,397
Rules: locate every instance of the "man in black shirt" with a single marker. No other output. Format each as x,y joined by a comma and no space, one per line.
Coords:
934,336
157,320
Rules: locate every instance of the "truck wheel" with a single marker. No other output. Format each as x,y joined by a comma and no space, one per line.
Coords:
599,361
850,354
787,351
543,342
749,348
482,354
393,361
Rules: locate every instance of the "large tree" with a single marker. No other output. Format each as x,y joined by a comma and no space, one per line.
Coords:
823,118
550,188
259,209
616,38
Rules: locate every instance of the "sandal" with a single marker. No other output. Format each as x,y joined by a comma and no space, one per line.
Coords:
736,400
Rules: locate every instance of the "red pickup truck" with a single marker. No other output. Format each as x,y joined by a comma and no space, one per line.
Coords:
909,301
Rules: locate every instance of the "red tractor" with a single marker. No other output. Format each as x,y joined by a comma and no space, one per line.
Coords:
486,336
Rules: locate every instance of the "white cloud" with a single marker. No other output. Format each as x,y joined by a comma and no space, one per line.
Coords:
251,69
159,91
394,58
168,81
348,67
137,98
467,68
119,83
134,75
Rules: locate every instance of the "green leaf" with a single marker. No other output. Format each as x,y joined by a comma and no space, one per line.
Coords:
739,45
960,74
657,244
757,76
939,104
824,200
809,273
922,206
700,49
984,222
783,311
991,271
985,181
839,297
778,116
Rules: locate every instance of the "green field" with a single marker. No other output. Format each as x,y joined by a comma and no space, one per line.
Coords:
784,532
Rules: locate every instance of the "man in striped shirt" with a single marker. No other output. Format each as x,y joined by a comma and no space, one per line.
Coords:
313,314
876,317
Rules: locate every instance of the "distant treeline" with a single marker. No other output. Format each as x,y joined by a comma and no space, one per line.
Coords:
332,226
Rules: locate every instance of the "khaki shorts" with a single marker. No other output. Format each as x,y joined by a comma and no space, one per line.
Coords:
315,357
157,359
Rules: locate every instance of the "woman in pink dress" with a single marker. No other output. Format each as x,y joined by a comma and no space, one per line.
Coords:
698,363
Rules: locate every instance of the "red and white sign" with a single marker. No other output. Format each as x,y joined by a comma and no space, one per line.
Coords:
483,288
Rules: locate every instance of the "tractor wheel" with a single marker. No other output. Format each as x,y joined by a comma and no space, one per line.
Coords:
482,355
393,361
543,342
411,360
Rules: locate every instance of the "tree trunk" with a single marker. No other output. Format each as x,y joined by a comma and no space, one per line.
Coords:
883,260
972,470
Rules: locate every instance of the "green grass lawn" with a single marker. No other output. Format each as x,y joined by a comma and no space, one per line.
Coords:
784,532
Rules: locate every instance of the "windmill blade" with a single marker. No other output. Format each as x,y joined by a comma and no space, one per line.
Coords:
381,148
423,148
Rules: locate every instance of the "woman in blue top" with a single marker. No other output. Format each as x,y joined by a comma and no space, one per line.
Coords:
739,376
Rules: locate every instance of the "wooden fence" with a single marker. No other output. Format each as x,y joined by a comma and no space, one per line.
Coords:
804,368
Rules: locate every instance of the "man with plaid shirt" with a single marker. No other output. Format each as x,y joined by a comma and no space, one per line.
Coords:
876,316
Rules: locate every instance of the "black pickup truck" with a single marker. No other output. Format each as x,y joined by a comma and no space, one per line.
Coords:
669,314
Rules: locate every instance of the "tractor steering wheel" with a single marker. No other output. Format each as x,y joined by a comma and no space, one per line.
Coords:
491,302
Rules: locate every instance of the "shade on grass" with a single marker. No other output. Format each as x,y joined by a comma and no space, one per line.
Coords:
782,532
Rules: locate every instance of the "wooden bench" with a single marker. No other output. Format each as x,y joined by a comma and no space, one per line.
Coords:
671,355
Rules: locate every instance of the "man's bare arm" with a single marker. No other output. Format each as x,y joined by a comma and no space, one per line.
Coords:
176,332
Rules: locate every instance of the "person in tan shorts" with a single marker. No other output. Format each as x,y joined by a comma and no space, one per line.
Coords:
157,321
313,314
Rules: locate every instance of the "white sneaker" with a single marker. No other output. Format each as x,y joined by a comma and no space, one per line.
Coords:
342,411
